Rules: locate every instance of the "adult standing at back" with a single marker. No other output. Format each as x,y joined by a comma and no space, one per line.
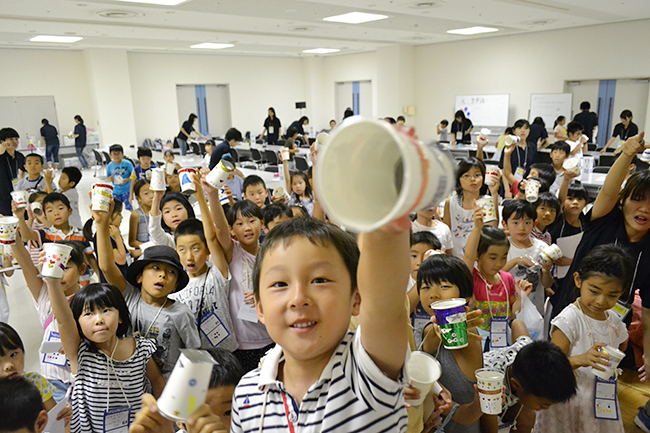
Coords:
299,125
186,132
461,128
272,127
50,136
538,137
233,136
79,136
623,130
587,119
12,167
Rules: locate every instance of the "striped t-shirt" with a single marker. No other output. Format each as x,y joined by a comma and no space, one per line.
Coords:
351,395
95,384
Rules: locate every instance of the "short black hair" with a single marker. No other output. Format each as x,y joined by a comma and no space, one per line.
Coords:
9,340
465,165
548,199
275,210
137,186
175,196
390,120
190,226
233,134
73,173
253,180
427,238
116,148
491,236
228,371
546,172
518,209
100,296
54,197
440,268
144,151
577,190
401,118
574,127
521,123
608,260
536,362
20,405
561,145
636,188
6,133
303,118
626,114
444,122
34,155
291,131
245,208
585,105
35,195
318,233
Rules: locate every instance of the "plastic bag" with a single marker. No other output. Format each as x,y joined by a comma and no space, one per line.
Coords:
531,318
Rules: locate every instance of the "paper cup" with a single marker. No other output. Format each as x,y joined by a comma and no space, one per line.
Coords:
169,168
219,174
490,389
321,139
572,165
285,154
278,192
187,183
8,227
187,385
492,174
101,197
56,259
550,253
489,213
511,140
452,320
645,156
588,163
223,197
424,371
616,355
483,136
36,207
393,174
158,179
532,190
20,197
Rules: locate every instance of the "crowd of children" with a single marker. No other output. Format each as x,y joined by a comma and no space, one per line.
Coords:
311,326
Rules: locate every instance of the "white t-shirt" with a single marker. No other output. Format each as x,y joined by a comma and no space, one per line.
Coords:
73,197
440,229
573,145
519,272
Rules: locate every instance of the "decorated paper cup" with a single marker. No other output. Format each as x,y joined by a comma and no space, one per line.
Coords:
56,259
20,197
424,371
572,165
550,253
492,174
158,179
219,174
186,176
489,213
483,136
36,207
452,320
187,385
490,389
285,155
511,140
169,168
101,197
8,226
223,197
616,355
278,193
645,156
532,190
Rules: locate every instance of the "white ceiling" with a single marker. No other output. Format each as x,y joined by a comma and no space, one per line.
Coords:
287,27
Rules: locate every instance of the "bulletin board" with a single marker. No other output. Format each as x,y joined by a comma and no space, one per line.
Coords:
485,110
549,106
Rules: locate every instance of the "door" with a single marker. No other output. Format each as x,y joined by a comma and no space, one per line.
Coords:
605,110
211,104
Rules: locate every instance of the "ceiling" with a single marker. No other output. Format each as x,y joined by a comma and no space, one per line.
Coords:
287,27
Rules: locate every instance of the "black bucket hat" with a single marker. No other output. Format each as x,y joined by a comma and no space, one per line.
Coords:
158,254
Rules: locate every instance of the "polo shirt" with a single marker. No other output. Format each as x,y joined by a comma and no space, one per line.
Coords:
187,126
9,167
352,394
50,134
589,121
298,125
623,133
80,130
272,128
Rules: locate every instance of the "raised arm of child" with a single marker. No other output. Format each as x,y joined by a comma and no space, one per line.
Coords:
383,273
70,338
25,231
104,251
216,252
608,195
507,164
319,212
48,175
564,187
220,221
134,221
156,232
119,252
30,272
287,176
471,247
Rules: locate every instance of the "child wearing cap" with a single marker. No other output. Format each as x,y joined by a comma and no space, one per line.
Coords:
148,283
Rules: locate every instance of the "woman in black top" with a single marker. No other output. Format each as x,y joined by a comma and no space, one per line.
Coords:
623,131
79,136
272,126
299,124
461,128
186,132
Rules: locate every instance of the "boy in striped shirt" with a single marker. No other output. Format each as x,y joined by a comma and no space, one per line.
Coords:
308,281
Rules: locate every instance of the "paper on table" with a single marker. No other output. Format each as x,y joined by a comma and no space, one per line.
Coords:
248,313
568,246
54,426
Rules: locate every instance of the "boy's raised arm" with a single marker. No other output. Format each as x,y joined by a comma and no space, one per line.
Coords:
105,250
30,272
471,248
220,221
383,274
27,233
216,252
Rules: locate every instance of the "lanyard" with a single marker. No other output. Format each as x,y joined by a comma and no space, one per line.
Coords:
525,156
154,319
286,412
488,286
591,330
198,321
636,268
9,164
109,360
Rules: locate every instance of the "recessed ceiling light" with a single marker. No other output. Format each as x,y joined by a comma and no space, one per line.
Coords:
156,2
59,39
473,30
355,18
211,46
321,51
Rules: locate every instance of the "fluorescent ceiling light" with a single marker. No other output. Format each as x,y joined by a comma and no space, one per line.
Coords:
156,2
211,46
321,51
473,30
355,18
59,39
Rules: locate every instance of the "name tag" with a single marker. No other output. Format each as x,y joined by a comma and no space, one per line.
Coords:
519,173
498,332
271,130
621,309
117,420
459,135
213,328
54,358
605,404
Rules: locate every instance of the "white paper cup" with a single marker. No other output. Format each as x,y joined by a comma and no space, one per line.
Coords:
56,259
588,163
169,168
489,213
532,190
492,174
186,176
393,174
321,139
512,140
424,371
490,389
616,355
8,227
219,174
278,192
36,207
645,156
158,179
550,253
223,197
187,385
483,136
285,154
101,197
20,197
572,165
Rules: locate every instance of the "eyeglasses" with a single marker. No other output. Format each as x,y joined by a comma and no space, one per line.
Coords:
468,176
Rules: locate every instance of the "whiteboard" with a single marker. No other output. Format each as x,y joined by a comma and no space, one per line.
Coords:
549,106
485,110
24,114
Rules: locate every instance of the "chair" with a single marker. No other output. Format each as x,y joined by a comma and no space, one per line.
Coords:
591,146
99,162
235,155
301,163
472,153
606,160
271,168
271,157
194,148
258,159
601,169
107,158
490,162
545,157
281,142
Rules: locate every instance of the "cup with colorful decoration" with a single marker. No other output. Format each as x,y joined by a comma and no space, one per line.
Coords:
489,211
219,174
532,190
8,227
20,197
452,320
490,390
492,174
511,140
101,196
482,138
158,182
186,176
610,370
56,259
550,253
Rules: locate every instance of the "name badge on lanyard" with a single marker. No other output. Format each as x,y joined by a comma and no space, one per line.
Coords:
271,130
621,309
519,173
117,420
498,332
213,328
459,135
605,404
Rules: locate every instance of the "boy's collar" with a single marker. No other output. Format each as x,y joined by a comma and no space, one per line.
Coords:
38,176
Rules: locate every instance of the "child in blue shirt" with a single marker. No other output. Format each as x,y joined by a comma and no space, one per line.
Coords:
119,172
